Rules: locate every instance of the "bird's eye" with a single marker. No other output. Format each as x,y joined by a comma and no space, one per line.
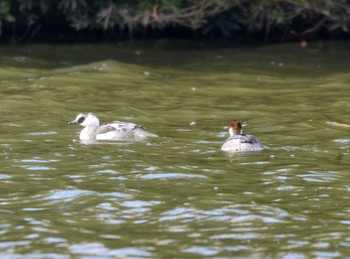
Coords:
81,119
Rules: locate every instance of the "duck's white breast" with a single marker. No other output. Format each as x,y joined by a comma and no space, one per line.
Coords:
242,143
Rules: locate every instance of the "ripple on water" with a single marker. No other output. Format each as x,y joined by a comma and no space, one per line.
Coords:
344,143
204,251
342,140
320,177
99,249
138,207
37,168
234,214
33,256
108,171
4,176
43,133
68,195
39,160
212,250
165,176
139,204
35,164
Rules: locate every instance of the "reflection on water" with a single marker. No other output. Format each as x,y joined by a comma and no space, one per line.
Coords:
177,195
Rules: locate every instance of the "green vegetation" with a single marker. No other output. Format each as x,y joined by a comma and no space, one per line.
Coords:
275,19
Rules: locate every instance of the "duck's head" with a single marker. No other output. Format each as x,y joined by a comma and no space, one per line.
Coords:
86,120
235,128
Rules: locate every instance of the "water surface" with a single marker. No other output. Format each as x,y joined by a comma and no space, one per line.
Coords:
177,195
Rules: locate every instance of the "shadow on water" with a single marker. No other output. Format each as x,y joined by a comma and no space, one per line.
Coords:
318,60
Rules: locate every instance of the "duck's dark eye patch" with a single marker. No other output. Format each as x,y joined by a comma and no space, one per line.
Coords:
81,119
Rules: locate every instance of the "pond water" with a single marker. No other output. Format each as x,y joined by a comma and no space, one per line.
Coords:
176,196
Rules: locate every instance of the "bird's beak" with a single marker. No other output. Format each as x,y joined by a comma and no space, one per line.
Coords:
73,122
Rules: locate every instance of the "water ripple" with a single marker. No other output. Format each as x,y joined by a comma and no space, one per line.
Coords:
4,176
33,256
321,177
233,214
68,195
169,176
101,250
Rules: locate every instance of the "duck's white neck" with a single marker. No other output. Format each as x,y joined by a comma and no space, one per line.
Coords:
235,132
86,133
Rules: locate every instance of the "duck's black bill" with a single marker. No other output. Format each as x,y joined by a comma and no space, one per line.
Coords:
73,122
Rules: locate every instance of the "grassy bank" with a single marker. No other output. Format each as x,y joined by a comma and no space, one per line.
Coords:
260,20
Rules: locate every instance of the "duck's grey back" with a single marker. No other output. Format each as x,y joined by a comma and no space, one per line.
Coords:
237,143
121,130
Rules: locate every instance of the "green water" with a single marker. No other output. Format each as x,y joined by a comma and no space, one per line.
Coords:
177,196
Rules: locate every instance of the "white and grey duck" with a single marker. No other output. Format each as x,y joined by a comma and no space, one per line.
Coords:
239,142
116,130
